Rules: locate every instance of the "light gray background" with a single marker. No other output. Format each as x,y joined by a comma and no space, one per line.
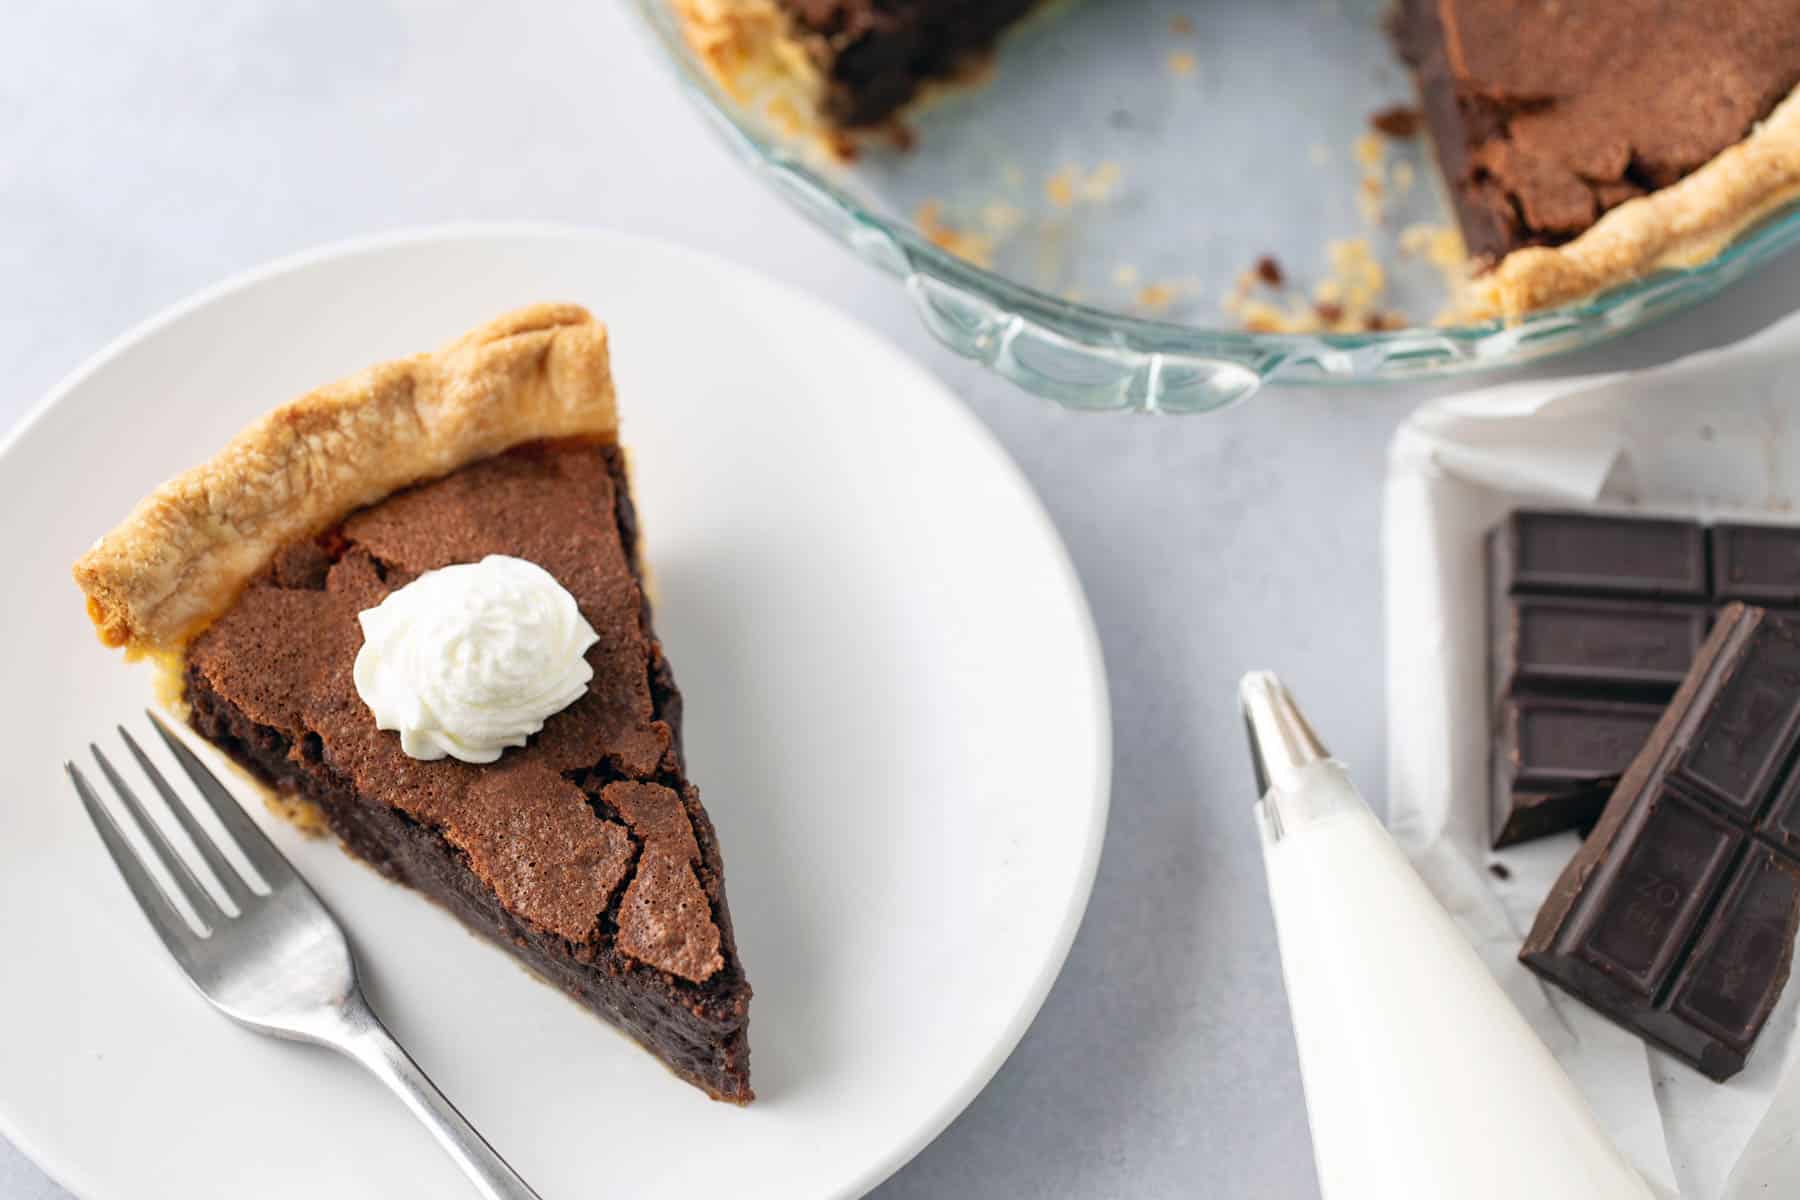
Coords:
147,150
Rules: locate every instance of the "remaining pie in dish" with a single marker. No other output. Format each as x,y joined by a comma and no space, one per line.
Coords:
585,852
848,64
1584,144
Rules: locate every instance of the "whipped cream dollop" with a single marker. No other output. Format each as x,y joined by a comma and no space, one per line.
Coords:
470,659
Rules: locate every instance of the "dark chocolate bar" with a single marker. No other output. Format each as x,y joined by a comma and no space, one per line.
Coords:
1677,916
1599,611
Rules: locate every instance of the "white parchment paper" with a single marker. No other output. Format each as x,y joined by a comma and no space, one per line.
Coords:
1711,436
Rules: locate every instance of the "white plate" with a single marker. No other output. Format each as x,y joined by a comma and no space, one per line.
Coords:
896,712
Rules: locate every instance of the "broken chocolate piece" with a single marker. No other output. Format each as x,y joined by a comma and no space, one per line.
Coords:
1557,762
1677,917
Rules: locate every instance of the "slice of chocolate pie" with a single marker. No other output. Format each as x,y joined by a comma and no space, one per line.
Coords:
413,603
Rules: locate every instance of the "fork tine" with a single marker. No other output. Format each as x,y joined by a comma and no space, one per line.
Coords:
186,882
234,884
261,852
164,917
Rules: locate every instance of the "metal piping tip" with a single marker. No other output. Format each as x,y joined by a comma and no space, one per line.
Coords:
1281,740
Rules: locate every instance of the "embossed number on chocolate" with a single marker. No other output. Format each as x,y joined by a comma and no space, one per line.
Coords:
1672,856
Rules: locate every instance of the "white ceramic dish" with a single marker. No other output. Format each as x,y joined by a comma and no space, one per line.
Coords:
896,711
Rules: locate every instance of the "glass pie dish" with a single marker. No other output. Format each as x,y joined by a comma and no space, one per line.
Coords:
1145,208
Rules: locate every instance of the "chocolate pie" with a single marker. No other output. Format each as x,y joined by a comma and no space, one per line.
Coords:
586,852
1588,144
1585,143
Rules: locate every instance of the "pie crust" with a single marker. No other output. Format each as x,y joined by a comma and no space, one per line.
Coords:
186,551
753,50
1682,225
750,49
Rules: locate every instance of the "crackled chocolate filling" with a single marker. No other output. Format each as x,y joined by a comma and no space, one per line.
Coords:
1547,113
875,55
586,853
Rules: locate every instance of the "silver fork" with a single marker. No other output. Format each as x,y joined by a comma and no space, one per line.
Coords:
279,964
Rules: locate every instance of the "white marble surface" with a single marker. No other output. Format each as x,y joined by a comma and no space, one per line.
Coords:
149,149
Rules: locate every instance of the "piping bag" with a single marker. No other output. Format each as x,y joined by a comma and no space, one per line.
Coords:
1422,1080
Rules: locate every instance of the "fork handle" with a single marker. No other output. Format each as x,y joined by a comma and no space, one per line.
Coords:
368,1042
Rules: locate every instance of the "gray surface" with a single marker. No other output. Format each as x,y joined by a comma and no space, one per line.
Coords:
151,149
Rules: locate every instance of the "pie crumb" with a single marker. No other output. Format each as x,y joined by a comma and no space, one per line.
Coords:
1001,219
1071,184
1182,62
1348,300
976,248
1157,297
1398,121
1369,150
1102,182
1371,197
1442,247
1403,178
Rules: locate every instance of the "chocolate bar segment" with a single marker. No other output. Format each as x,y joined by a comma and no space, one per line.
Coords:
1677,916
1566,643
1743,740
1736,972
1595,554
1557,761
1759,564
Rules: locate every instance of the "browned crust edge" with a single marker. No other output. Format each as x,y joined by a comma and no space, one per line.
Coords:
188,548
1683,225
